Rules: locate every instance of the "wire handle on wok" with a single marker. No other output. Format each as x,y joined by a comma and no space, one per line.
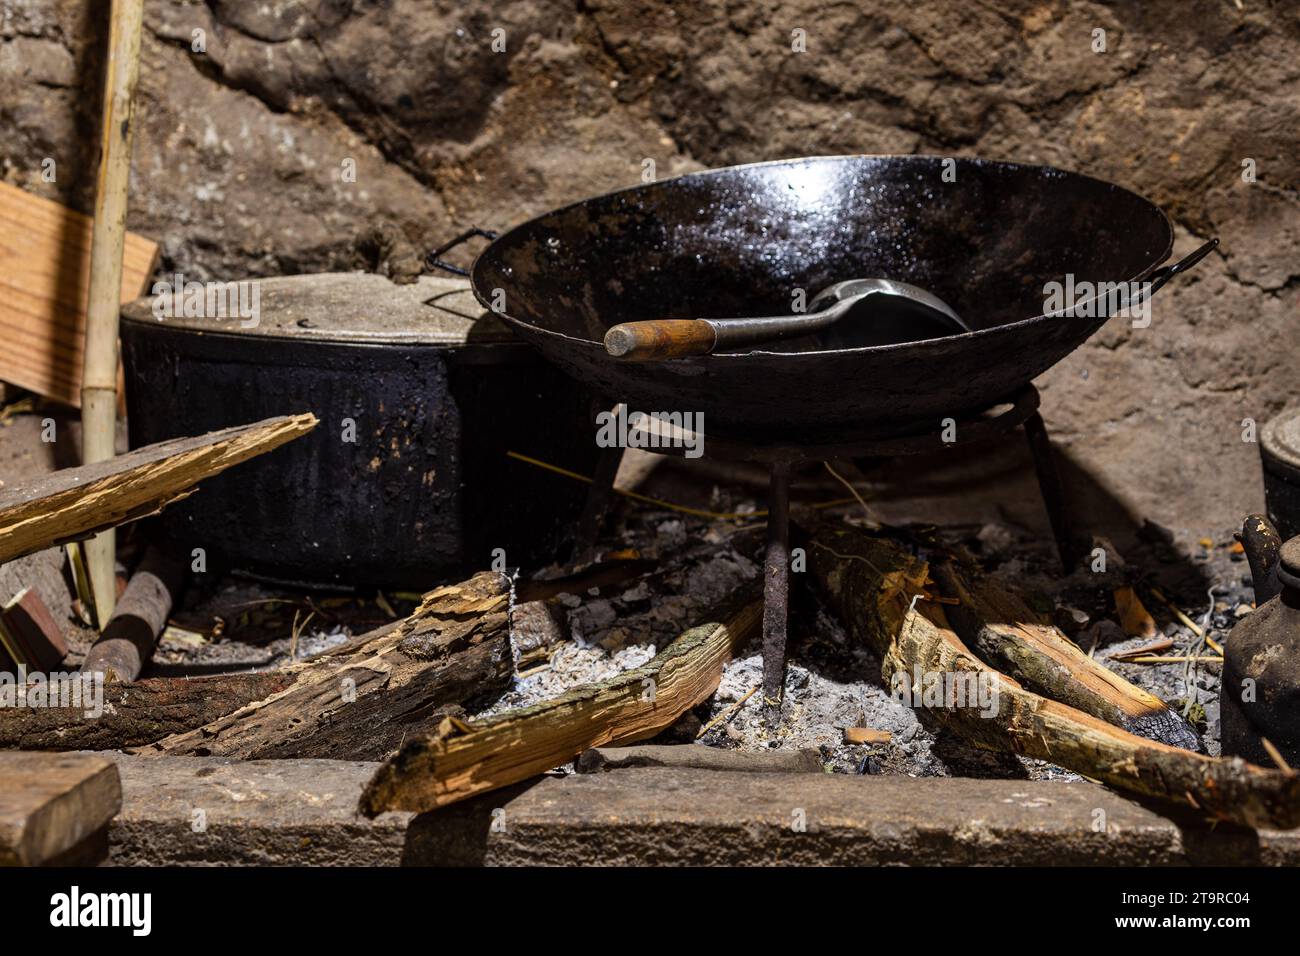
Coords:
434,259
1163,275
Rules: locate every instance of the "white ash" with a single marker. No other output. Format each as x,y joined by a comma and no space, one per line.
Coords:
671,534
833,684
617,633
571,665
815,713
314,642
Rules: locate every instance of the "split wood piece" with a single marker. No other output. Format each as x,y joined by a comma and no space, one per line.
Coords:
50,804
866,735
537,630
1155,647
460,760
42,571
539,622
397,683
132,715
44,280
76,502
140,617
30,634
1006,634
604,574
540,618
1134,618
872,583
700,756
83,605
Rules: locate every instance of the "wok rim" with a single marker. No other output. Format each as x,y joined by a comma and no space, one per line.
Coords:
528,328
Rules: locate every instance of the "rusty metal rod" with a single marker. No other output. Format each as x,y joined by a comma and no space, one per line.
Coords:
1049,483
776,582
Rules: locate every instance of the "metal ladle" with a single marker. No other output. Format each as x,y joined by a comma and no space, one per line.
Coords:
899,313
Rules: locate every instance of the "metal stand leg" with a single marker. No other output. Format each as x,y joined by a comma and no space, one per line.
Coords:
597,505
1049,483
776,584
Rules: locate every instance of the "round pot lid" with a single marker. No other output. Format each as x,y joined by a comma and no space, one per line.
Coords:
1279,443
349,307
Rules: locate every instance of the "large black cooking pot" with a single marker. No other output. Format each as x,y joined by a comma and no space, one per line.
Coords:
739,241
419,395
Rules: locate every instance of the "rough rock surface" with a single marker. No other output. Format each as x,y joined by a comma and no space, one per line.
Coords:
180,811
659,816
245,150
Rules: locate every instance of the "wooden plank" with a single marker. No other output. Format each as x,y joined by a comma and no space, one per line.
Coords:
76,502
44,281
50,803
874,585
461,760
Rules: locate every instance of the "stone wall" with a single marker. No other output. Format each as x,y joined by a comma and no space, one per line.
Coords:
240,151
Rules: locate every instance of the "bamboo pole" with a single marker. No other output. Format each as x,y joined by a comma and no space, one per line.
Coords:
99,371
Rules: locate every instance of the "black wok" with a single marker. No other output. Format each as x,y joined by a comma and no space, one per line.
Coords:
739,241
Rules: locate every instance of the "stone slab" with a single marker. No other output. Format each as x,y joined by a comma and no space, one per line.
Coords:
220,811
304,812
681,816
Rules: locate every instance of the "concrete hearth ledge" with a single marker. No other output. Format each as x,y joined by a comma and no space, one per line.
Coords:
194,810
214,810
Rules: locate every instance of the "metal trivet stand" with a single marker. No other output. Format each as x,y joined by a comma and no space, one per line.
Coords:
997,421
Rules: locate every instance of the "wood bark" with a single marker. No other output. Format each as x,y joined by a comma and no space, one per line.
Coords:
361,701
74,503
873,583
1008,635
136,714
132,632
461,760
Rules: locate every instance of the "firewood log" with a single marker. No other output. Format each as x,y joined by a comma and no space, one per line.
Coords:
74,503
139,618
877,588
133,714
997,625
461,760
360,701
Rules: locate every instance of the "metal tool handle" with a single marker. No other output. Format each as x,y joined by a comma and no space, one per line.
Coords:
434,261
1165,273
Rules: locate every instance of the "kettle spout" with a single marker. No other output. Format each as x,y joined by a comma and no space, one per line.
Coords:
1262,545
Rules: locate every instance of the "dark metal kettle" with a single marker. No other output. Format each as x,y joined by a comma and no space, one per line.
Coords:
1260,696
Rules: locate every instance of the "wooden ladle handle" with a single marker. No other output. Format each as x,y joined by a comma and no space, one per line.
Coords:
660,339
